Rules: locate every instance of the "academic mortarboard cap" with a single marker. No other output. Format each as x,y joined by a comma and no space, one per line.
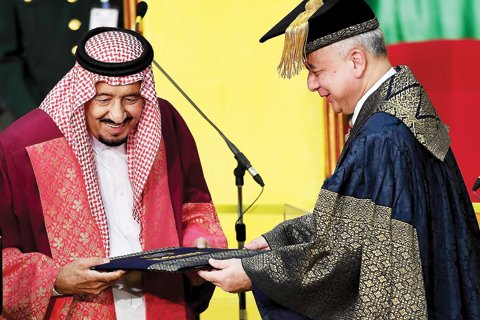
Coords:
315,24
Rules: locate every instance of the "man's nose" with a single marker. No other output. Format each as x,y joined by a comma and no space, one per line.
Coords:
312,83
117,112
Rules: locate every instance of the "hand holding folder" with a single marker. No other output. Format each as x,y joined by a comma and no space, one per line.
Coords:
173,259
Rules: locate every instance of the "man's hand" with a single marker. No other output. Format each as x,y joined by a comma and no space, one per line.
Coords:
229,275
194,278
201,243
77,278
258,243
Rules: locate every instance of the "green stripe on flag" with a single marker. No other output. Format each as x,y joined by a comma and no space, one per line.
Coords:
419,20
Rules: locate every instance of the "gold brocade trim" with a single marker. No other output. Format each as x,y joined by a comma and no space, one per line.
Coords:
403,97
195,259
343,34
391,282
71,230
157,207
346,260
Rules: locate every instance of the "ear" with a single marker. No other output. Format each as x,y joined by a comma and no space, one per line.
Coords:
359,61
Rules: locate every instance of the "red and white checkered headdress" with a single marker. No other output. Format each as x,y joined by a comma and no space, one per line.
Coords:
115,54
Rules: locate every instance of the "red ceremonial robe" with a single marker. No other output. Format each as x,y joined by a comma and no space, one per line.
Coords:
46,221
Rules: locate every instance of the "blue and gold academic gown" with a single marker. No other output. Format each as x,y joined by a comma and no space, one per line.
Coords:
393,234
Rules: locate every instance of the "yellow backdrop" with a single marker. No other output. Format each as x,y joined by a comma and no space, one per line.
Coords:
211,49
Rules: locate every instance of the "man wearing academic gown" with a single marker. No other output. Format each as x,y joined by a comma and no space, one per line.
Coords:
56,204
393,234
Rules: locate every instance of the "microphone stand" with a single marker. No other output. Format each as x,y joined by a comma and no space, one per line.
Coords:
242,165
239,173
240,230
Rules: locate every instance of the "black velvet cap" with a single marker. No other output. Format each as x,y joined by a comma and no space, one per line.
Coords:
114,69
334,21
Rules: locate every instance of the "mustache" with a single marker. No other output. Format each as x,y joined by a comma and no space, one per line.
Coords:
106,120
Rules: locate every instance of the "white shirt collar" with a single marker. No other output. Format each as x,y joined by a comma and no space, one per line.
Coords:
377,84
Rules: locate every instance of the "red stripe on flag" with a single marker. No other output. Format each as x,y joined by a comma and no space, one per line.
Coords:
449,71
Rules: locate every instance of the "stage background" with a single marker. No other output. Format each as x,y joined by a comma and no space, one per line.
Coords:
211,50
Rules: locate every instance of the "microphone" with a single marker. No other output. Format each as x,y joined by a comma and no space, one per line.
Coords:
243,160
476,185
141,11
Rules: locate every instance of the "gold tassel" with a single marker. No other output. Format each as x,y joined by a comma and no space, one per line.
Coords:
293,56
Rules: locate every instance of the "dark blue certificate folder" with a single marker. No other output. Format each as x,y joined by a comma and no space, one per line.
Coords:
173,259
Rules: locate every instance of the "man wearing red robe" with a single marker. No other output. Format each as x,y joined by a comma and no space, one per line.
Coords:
103,168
